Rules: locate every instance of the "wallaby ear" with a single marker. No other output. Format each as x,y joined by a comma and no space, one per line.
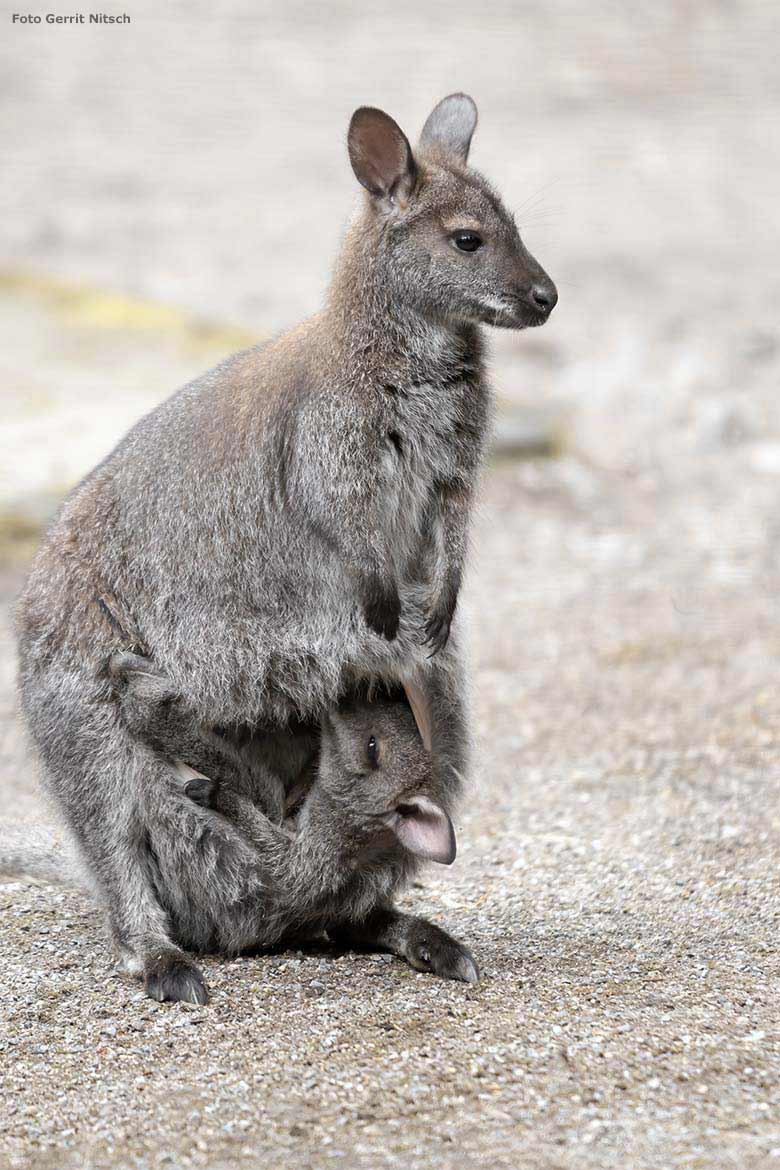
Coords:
381,156
449,127
418,701
425,829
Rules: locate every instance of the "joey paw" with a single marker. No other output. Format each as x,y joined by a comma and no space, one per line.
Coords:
201,790
174,979
435,951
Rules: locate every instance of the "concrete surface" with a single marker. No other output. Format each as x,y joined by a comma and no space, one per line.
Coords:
170,183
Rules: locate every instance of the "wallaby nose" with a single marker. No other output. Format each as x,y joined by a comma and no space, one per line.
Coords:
544,296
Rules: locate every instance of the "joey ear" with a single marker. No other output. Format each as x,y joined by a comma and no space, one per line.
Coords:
185,772
125,663
142,677
418,701
381,156
449,127
425,829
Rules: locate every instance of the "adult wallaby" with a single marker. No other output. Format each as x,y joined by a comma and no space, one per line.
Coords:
290,523
375,808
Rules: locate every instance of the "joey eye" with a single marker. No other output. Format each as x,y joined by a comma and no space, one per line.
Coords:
466,241
372,751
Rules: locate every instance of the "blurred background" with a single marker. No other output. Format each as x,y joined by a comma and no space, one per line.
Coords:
177,187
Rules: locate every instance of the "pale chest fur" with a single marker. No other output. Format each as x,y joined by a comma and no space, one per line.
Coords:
434,440
428,420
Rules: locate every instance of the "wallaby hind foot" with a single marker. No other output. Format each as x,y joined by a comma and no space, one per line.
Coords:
170,976
427,947
423,945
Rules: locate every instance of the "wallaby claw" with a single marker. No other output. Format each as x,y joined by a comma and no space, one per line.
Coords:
435,951
175,980
437,633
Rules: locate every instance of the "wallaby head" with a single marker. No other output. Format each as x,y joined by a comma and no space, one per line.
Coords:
451,250
376,771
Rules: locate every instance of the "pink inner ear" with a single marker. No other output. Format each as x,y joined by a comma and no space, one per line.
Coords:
425,829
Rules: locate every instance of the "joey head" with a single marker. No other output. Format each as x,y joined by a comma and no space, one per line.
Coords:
376,808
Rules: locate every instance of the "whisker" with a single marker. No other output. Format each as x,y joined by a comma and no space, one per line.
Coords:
541,222
538,192
543,209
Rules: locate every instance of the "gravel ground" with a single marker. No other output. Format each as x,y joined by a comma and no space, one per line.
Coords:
617,879
617,873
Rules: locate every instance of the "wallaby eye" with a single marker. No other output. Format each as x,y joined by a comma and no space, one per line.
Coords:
372,751
467,241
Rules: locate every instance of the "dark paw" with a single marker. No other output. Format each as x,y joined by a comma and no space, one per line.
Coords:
432,949
201,790
437,627
382,610
437,632
174,980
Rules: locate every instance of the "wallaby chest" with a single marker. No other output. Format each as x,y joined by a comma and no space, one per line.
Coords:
434,437
425,423
438,407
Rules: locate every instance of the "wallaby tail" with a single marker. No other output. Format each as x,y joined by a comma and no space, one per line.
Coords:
38,852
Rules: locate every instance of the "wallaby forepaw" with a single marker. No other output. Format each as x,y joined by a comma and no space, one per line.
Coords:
437,627
435,951
437,632
202,790
175,980
382,611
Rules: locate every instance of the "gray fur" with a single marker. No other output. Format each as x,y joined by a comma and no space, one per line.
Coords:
233,879
287,525
157,715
